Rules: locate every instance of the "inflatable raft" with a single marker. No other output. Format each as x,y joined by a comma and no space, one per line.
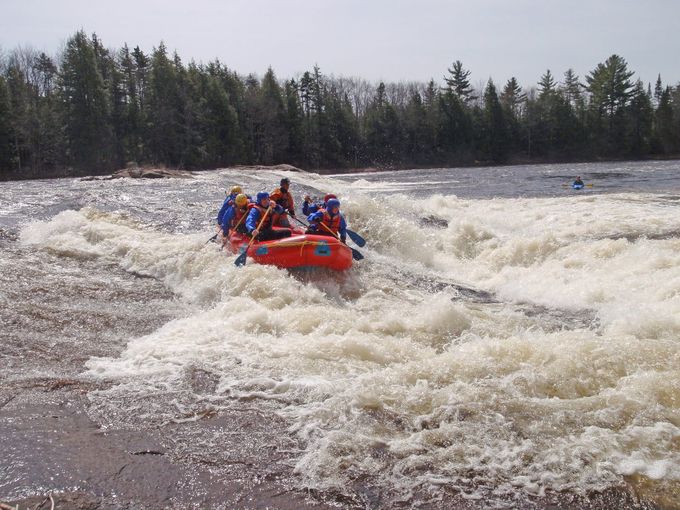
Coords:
297,251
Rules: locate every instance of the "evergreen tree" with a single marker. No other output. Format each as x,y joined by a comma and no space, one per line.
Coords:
6,149
458,83
572,88
640,114
664,124
495,127
273,121
162,111
86,109
512,97
610,89
546,84
294,123
658,91
383,130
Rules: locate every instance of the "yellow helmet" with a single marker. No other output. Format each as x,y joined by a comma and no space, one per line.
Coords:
235,189
241,200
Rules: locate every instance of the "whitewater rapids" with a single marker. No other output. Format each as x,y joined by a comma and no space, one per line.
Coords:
510,346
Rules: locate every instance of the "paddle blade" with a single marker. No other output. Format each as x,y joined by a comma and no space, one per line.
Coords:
356,254
360,241
241,259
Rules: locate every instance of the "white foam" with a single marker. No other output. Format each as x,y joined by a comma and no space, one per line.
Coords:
473,395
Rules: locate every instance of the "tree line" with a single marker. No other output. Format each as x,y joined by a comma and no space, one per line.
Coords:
93,109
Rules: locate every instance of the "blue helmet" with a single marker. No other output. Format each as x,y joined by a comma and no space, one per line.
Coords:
333,202
261,196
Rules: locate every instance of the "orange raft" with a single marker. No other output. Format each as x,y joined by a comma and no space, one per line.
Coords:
299,250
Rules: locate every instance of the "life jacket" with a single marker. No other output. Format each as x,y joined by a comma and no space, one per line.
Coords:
267,225
283,198
332,222
239,220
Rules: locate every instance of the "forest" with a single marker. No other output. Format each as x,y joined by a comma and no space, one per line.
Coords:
91,110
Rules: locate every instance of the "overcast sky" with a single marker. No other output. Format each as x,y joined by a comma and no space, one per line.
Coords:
387,40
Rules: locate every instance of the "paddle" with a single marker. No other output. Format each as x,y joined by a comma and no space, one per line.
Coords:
356,254
211,239
241,259
358,240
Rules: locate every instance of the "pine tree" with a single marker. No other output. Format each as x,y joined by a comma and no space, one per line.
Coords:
495,126
273,120
86,108
640,114
546,84
6,149
658,91
664,124
610,90
572,88
163,110
512,97
458,82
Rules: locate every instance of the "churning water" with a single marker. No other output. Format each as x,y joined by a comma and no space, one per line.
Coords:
504,337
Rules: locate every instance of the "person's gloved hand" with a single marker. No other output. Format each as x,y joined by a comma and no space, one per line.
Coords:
292,212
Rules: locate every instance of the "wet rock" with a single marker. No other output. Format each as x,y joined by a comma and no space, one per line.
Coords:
151,173
434,221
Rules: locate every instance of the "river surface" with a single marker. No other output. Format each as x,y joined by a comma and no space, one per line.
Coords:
505,338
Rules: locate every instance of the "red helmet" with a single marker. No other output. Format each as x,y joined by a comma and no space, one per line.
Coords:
328,196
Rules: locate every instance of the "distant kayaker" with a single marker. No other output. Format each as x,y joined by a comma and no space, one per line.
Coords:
283,197
257,212
578,181
309,206
328,221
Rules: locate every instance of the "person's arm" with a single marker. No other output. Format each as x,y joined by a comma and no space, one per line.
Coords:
315,216
252,219
223,209
343,229
227,219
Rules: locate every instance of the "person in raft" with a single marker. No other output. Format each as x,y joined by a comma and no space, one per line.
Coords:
228,202
235,216
262,206
328,221
578,181
309,207
283,197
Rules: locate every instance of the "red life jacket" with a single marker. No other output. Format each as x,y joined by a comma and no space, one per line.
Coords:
238,222
267,224
332,222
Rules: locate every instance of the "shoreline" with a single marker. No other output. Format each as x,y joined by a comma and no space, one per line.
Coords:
187,172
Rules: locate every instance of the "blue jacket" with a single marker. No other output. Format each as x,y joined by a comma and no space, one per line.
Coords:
227,218
253,219
227,203
308,208
318,216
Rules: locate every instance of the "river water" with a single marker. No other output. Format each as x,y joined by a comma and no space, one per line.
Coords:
504,339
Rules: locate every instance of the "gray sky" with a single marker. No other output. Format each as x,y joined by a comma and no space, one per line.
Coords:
390,40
